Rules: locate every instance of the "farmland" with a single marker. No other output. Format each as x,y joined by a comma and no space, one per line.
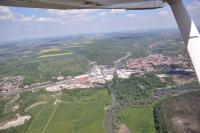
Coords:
49,50
67,115
54,55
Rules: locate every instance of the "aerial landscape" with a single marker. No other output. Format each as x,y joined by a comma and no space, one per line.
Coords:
119,82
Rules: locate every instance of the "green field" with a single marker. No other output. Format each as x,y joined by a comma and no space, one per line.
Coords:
49,50
80,111
78,118
71,116
138,119
54,55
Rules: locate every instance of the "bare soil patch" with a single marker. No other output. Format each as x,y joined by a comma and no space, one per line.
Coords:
185,125
20,120
123,129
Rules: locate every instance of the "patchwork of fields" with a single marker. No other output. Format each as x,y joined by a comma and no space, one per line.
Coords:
69,56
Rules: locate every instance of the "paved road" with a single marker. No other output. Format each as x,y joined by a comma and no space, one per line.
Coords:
121,61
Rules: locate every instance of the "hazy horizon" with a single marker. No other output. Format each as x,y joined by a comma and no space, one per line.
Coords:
28,23
85,34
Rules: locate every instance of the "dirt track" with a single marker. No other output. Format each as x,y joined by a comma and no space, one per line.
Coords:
35,104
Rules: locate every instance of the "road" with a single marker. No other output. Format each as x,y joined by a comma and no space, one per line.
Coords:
120,62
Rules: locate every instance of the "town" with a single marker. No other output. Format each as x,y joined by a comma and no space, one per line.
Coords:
97,75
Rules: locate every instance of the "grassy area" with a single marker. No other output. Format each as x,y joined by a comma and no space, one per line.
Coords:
139,119
44,69
82,95
68,116
49,50
78,118
54,55
40,118
70,67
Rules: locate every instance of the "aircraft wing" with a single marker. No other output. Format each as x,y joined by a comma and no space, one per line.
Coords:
86,4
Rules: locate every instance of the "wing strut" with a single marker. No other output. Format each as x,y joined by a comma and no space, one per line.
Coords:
188,31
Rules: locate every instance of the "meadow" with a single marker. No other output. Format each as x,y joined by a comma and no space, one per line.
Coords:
68,115
54,55
49,50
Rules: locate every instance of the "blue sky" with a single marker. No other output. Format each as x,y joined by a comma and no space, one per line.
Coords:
22,23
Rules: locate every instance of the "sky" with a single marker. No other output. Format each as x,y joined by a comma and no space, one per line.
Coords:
23,23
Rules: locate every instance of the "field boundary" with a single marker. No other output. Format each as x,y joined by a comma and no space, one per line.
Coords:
52,114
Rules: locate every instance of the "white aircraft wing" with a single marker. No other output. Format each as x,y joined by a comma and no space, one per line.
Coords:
86,4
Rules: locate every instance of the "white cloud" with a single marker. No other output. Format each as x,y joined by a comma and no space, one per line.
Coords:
194,11
71,12
117,11
75,16
6,13
103,14
94,16
25,19
194,6
34,19
4,9
163,13
45,20
131,15
112,12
